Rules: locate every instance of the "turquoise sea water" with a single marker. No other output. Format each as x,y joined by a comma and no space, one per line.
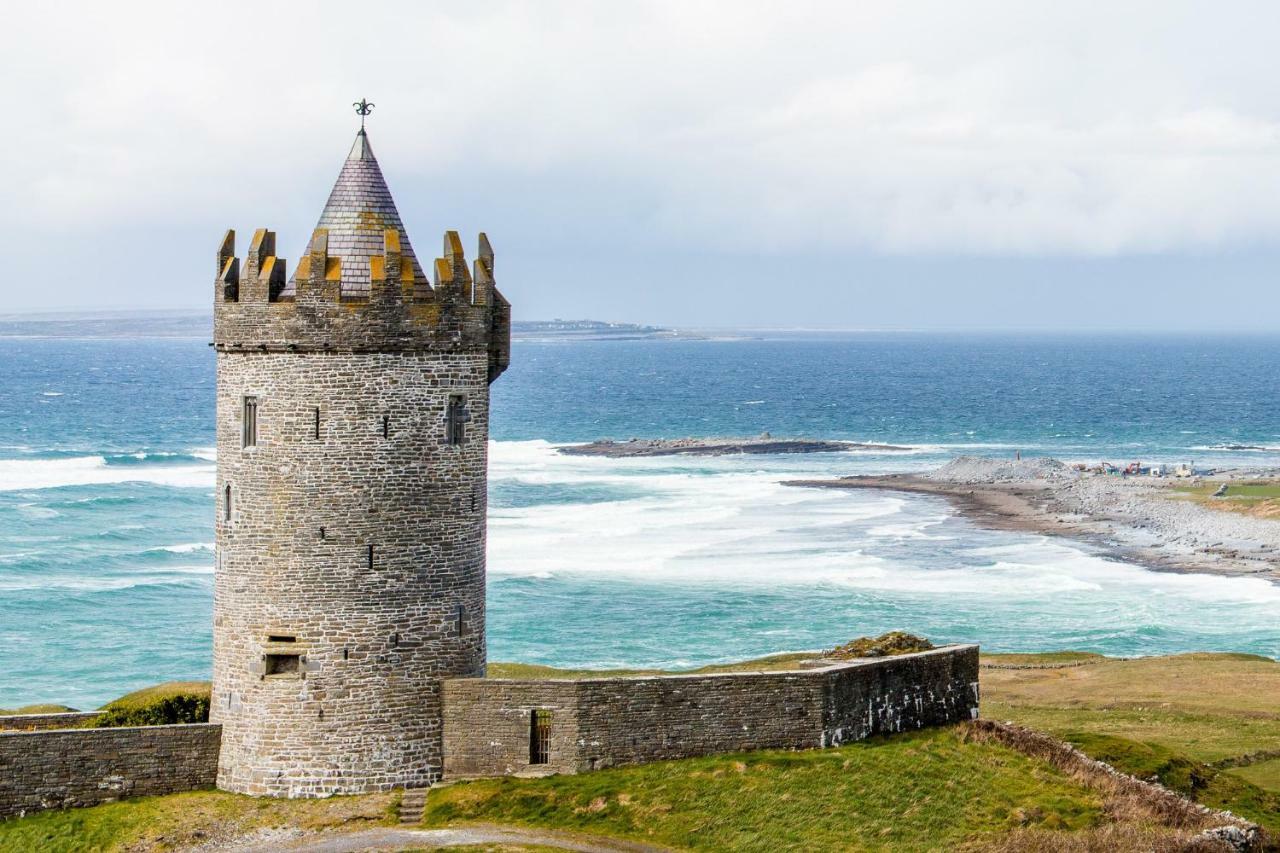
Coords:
106,501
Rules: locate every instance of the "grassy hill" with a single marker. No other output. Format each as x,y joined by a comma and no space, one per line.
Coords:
1208,725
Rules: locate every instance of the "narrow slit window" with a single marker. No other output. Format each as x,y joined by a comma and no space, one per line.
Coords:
315,423
226,502
461,617
249,423
386,426
457,416
370,555
539,735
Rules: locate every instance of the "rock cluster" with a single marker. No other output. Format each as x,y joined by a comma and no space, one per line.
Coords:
980,469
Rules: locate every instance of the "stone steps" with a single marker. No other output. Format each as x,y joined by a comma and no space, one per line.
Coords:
412,805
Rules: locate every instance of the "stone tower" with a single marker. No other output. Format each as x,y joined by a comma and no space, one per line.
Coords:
352,424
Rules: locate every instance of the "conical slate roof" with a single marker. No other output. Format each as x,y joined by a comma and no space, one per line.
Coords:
359,208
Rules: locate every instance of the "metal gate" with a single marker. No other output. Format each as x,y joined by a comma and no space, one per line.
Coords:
539,736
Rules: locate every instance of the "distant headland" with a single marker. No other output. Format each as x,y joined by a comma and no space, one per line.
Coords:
197,324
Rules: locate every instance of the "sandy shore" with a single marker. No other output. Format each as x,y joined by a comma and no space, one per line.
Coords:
1139,520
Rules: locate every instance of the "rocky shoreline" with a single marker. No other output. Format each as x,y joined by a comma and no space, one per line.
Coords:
764,444
1136,519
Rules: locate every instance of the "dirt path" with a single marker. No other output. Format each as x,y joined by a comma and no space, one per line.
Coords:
394,838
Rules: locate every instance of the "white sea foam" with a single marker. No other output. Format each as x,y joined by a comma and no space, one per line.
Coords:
185,548
33,511
81,583
727,520
694,519
23,474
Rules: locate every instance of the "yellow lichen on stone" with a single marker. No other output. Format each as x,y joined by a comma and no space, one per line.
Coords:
370,221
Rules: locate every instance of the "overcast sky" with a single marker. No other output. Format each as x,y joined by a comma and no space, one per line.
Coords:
857,165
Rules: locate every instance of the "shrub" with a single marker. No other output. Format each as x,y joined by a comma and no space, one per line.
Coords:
892,643
162,705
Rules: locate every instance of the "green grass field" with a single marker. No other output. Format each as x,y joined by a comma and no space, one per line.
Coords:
1178,718
930,790
1258,497
184,820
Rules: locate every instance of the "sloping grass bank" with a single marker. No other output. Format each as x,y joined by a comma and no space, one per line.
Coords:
1188,721
180,821
939,789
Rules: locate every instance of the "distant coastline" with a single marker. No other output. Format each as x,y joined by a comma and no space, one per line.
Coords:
199,324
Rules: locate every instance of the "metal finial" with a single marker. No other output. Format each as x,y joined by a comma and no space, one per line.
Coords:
363,108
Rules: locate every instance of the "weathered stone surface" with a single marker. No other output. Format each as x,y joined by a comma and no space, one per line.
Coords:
85,767
40,722
373,631
351,536
602,722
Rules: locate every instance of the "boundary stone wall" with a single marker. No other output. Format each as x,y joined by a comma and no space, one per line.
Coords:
600,722
84,767
41,722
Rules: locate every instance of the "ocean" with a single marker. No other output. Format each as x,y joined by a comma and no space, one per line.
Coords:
107,473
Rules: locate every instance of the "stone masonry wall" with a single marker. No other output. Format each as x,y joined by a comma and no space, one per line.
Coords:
903,693
486,725
85,767
606,721
352,551
40,722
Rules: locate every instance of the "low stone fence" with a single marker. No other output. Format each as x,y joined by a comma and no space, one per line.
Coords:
41,722
490,729
85,767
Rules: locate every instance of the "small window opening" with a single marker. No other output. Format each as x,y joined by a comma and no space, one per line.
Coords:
386,426
461,618
457,416
281,638
371,555
539,735
226,502
283,664
345,654
321,532
249,423
315,423
395,640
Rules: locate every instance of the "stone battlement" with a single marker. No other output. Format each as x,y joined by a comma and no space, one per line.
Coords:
257,308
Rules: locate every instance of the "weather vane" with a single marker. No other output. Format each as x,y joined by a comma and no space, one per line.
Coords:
363,108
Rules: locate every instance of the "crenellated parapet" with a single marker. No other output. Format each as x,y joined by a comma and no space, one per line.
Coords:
258,308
